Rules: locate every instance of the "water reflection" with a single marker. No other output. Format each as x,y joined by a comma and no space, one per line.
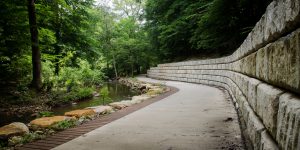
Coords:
117,92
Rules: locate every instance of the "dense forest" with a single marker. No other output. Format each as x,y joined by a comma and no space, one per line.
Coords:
200,28
55,51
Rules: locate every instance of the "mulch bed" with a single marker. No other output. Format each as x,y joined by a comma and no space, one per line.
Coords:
72,133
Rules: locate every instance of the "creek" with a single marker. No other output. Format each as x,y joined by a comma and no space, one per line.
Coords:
117,92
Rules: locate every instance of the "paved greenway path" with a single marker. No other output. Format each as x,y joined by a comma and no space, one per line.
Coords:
197,117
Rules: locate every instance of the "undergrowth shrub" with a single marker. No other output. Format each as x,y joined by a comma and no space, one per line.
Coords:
72,77
63,97
64,125
73,83
45,114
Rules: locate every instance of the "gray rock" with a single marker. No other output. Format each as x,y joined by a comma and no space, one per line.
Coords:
101,109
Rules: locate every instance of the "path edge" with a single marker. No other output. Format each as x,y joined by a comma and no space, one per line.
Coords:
67,135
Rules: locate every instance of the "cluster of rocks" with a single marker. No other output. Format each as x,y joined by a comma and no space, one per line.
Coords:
148,90
139,85
15,131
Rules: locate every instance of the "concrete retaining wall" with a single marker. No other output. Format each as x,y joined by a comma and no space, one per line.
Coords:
262,76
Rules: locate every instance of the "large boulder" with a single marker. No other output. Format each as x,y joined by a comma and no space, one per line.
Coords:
139,99
81,113
155,91
146,85
101,109
13,129
152,86
118,105
46,122
126,102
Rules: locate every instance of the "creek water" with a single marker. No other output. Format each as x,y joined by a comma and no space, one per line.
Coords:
117,92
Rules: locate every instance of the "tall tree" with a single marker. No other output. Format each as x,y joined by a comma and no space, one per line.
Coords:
183,29
58,24
36,54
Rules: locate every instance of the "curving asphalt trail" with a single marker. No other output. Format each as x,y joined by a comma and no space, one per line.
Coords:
198,117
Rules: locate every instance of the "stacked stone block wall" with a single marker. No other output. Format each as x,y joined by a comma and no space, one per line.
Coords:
262,76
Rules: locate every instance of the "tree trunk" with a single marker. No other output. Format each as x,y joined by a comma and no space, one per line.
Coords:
36,54
115,66
138,69
132,70
57,51
58,39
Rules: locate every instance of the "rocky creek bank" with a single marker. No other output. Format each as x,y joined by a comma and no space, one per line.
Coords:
17,133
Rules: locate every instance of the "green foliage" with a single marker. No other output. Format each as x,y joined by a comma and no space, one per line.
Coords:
31,137
182,29
28,137
78,41
81,75
64,125
69,77
61,97
124,41
48,75
45,114
3,144
88,76
104,93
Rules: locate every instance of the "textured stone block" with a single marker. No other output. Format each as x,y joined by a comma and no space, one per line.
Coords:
252,92
239,66
230,66
198,72
238,94
234,56
243,66
205,81
262,64
226,66
249,66
245,107
267,106
254,129
223,66
256,37
288,130
281,16
267,143
244,83
235,66
284,60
